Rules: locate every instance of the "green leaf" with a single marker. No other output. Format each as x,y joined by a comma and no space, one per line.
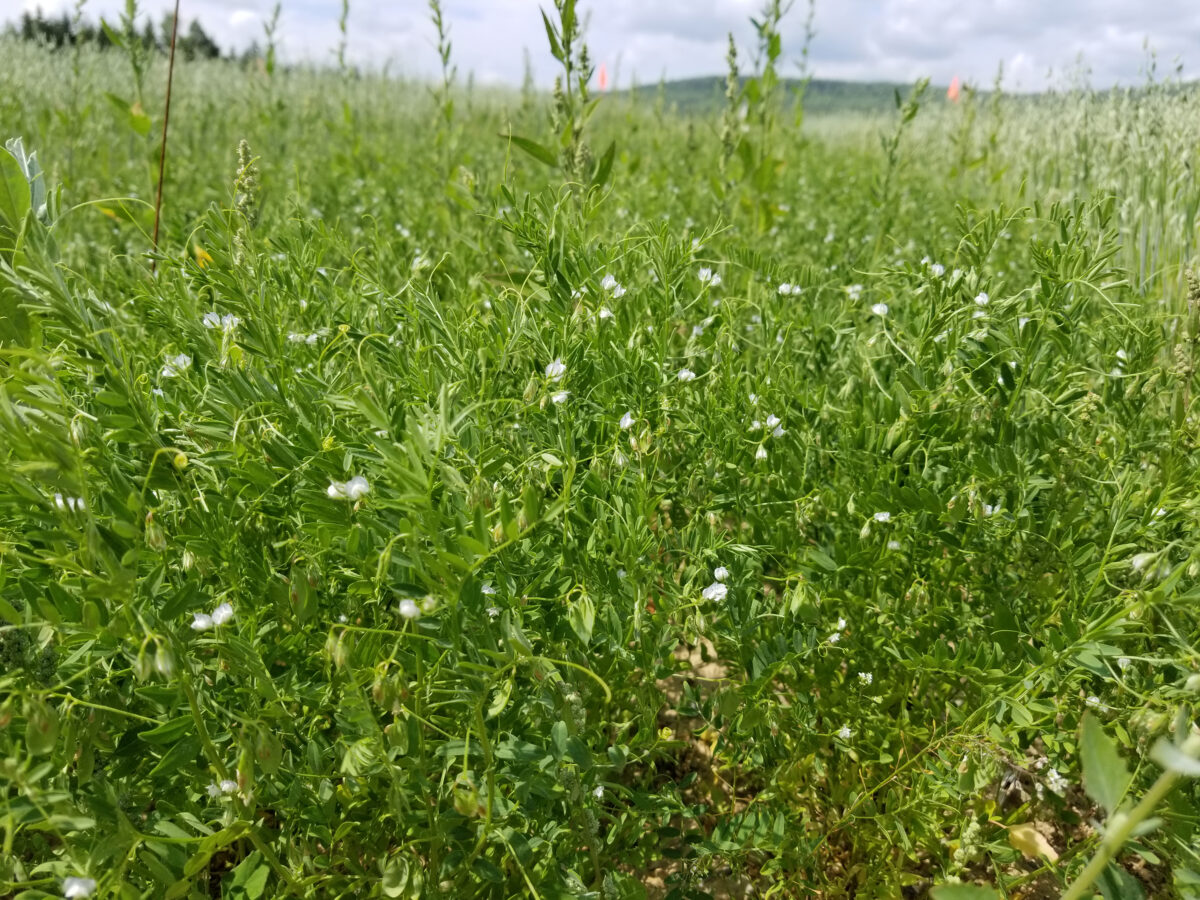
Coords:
41,728
14,191
558,734
552,37
582,616
118,40
534,149
168,732
604,167
963,892
500,698
1117,884
1105,776
250,878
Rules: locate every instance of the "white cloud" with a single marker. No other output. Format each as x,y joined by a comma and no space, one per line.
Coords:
860,39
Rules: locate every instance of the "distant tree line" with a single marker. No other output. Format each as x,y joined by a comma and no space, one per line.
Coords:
61,31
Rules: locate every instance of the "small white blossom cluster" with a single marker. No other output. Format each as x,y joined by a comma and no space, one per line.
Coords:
686,374
866,678
787,289
845,733
75,887
175,365
709,277
611,285
219,616
224,786
718,590
296,337
773,424
74,504
348,490
837,634
226,323
1056,782
409,609
556,369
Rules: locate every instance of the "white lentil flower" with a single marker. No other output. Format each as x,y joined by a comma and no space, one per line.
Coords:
226,323
1094,702
493,612
866,677
709,277
835,637
893,545
74,504
761,453
556,369
1022,322
222,614
841,623
754,399
598,792
175,365
772,421
1123,662
883,516
715,591
755,425
880,309
348,490
487,590
938,270
611,285
720,573
778,432
75,886
686,374
409,608
854,290
202,622
619,458
228,786
559,396
697,331
627,421
1122,355
1140,561
1056,782
1160,512
622,574
214,790
605,313
785,289
845,733
982,299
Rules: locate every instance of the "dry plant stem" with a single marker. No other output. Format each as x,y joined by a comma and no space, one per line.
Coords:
162,154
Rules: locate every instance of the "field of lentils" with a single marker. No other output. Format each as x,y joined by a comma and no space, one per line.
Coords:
508,494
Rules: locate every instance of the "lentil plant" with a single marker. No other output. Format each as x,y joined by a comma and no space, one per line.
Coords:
455,513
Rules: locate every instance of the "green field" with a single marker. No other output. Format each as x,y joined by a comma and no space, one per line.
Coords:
485,494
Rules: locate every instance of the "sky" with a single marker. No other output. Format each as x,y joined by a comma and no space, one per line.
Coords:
1038,42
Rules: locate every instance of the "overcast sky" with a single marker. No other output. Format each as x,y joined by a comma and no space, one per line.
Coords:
894,40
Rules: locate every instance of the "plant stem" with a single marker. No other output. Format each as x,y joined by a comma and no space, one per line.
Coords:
162,154
1116,837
